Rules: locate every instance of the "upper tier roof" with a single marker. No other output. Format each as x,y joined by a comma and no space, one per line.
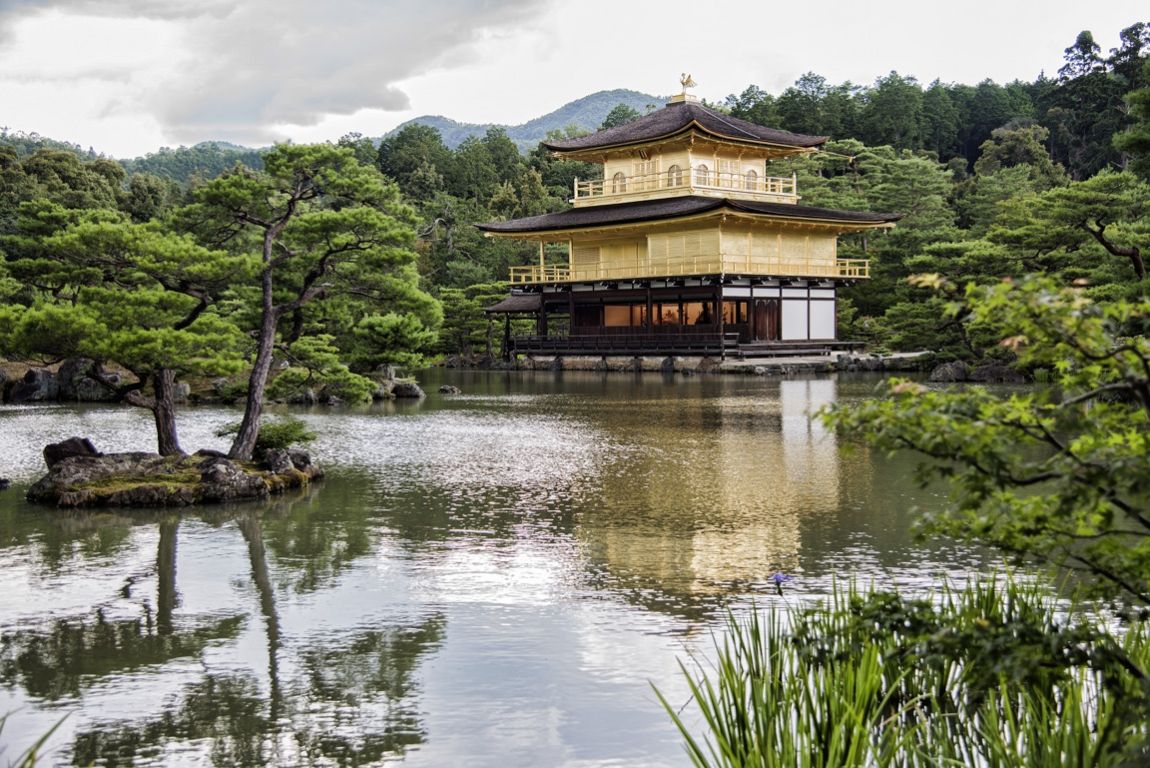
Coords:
674,208
678,117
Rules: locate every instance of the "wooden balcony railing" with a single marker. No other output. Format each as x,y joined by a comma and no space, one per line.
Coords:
855,269
540,274
746,185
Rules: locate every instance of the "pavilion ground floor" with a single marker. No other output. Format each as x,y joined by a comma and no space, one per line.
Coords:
707,315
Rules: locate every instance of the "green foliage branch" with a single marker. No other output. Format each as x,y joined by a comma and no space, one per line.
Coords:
1061,472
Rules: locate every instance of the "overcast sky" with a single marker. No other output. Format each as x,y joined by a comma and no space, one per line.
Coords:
129,76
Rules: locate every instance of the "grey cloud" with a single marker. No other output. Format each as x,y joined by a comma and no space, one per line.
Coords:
258,63
120,75
12,11
126,9
272,62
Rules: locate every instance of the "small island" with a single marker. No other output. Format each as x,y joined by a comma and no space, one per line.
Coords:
81,476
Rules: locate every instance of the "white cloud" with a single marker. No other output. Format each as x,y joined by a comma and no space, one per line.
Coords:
130,75
238,69
272,62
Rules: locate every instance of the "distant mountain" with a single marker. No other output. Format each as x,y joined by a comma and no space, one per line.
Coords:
587,113
210,158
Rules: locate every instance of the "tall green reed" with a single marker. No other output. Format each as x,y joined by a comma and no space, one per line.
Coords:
30,757
997,673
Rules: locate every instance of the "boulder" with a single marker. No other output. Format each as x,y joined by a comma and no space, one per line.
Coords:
951,372
668,365
38,385
54,453
224,480
301,460
83,380
450,389
72,481
206,452
5,483
278,460
407,389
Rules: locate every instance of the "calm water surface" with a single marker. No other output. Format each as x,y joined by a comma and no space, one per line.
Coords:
492,579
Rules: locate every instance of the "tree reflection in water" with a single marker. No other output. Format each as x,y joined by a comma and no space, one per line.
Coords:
349,701
70,654
352,705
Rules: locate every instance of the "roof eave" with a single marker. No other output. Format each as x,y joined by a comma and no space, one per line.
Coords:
694,125
722,208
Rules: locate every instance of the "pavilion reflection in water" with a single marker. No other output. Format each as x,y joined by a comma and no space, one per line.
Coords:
711,507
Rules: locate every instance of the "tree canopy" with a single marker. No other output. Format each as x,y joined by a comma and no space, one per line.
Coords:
333,241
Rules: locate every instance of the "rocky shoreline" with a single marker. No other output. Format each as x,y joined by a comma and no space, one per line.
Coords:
83,380
688,365
79,476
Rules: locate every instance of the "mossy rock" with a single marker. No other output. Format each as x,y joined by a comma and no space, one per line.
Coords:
151,480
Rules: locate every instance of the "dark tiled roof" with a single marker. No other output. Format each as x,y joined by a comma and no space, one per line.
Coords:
673,208
526,302
808,212
676,118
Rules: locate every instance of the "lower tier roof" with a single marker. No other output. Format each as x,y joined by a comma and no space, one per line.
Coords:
676,208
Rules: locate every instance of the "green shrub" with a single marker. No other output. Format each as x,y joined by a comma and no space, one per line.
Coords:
275,435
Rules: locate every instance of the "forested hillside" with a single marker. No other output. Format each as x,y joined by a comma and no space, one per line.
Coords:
995,180
205,160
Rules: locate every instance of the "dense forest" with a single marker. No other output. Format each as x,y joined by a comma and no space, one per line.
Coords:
994,181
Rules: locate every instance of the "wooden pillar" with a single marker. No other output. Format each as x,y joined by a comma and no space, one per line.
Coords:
650,308
751,311
541,325
719,317
507,337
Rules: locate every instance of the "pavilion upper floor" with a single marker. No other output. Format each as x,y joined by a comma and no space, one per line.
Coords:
685,149
692,236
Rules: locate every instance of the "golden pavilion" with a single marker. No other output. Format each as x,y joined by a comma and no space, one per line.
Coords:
685,245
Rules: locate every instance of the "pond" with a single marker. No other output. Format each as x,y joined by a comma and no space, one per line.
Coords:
495,578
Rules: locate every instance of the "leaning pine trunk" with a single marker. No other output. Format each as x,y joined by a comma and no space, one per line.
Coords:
245,442
164,411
